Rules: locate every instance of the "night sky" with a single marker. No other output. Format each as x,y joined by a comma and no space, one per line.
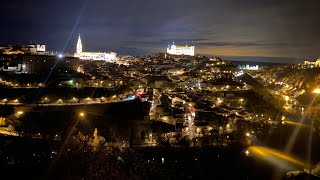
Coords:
262,29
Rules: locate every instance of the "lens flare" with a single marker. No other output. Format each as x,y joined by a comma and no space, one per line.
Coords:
296,124
278,158
296,131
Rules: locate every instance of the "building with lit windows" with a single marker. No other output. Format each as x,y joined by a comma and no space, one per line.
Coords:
180,50
42,63
34,49
100,56
38,64
313,63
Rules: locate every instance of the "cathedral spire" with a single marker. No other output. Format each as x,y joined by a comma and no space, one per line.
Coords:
79,45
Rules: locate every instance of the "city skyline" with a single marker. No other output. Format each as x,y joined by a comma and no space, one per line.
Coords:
230,29
145,89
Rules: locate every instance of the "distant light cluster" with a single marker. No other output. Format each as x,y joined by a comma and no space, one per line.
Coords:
248,67
237,74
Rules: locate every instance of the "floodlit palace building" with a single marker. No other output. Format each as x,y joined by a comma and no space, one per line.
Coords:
180,50
100,56
313,63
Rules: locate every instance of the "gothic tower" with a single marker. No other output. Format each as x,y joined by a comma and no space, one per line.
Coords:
79,45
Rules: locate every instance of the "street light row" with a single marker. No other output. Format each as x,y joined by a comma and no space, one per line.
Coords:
46,99
82,114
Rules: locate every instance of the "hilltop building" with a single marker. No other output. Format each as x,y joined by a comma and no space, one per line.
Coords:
313,63
100,56
34,49
180,50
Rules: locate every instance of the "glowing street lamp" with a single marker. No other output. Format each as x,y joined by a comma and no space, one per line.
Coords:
70,82
81,114
19,112
247,134
247,152
286,98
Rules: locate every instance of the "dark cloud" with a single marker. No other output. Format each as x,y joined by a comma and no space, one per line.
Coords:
286,28
132,51
248,44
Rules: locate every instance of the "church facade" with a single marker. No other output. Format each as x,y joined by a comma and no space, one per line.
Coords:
99,56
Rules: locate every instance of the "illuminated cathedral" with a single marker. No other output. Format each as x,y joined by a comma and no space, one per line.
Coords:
100,56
